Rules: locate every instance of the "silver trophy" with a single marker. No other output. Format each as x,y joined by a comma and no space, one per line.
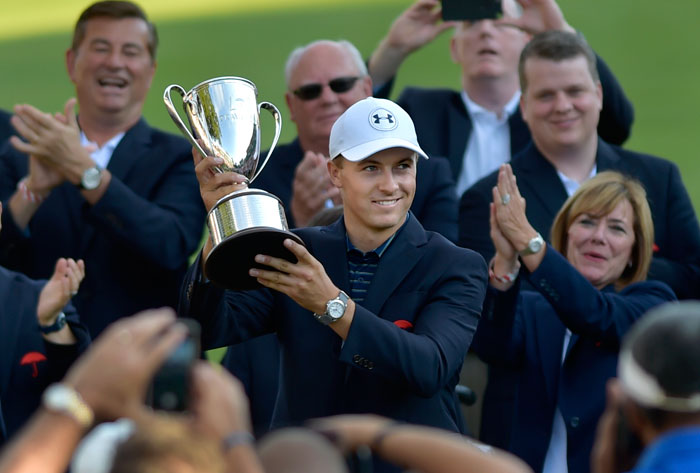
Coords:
225,116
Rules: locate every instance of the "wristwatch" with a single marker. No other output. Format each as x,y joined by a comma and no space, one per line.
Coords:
58,324
62,399
91,178
533,246
335,309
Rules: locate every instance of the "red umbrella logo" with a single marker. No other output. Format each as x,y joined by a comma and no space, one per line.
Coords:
33,357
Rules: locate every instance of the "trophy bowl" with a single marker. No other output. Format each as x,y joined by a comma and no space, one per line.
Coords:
224,115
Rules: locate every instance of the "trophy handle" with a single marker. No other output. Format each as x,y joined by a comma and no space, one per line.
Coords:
278,128
176,116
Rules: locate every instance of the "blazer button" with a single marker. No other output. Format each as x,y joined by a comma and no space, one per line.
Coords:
370,365
356,358
574,422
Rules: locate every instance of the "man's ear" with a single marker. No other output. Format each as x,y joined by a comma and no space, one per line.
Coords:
334,171
599,93
70,63
522,107
288,98
367,85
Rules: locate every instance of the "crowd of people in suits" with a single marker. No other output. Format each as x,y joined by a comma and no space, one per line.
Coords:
505,219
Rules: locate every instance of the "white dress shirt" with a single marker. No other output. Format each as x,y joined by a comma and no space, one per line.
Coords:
489,142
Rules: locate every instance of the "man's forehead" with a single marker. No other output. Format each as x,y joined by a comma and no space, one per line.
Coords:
572,68
324,58
98,27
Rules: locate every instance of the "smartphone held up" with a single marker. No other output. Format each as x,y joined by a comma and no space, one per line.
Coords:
471,10
170,388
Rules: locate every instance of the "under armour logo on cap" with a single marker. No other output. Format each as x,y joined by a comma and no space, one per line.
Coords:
383,120
389,127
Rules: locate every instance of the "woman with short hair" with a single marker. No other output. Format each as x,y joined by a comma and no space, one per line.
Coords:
564,336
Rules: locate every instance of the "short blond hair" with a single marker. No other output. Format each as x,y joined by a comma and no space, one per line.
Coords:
599,196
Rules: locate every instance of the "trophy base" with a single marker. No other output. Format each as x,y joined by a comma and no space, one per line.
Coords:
243,224
228,263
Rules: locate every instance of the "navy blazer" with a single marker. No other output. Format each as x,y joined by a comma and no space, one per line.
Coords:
444,126
422,280
6,129
525,330
434,204
28,363
135,241
676,231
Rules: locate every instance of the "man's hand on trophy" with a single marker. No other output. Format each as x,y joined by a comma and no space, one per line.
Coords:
312,188
214,185
305,281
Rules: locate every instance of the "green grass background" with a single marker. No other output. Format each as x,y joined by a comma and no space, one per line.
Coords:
652,46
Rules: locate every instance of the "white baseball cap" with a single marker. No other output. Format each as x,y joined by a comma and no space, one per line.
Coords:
370,126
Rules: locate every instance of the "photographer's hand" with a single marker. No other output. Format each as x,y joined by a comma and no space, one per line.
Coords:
220,409
113,375
417,26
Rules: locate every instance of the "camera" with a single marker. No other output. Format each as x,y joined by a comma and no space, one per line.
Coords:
471,10
170,388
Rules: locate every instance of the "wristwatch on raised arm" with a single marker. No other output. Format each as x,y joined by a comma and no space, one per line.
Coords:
335,309
533,246
63,399
91,178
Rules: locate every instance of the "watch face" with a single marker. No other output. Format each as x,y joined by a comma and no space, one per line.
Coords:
535,245
58,397
336,309
91,178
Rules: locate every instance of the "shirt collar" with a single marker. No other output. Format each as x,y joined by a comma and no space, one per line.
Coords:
379,251
103,153
475,109
572,185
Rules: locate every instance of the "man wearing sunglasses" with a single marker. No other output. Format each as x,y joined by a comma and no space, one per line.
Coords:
325,78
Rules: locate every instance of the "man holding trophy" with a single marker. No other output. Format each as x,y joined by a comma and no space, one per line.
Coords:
376,314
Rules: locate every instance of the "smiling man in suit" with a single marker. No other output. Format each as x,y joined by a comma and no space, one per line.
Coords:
377,314
561,103
104,186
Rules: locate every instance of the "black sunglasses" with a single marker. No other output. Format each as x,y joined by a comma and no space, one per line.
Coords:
313,91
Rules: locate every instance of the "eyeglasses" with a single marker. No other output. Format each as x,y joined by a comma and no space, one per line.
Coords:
313,91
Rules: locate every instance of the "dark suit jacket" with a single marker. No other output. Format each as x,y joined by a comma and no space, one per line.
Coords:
525,329
409,374
444,126
28,363
676,232
434,204
135,241
6,129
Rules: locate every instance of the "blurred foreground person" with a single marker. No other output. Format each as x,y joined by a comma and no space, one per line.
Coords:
40,336
563,338
652,420
414,447
110,382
